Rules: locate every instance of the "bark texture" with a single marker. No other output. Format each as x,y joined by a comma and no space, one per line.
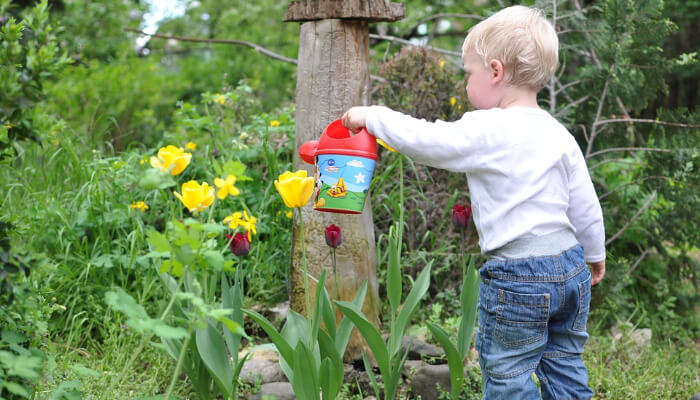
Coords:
367,10
333,75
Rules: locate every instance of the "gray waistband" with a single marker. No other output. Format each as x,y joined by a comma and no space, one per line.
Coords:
535,246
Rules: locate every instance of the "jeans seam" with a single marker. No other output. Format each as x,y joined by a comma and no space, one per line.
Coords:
548,279
531,366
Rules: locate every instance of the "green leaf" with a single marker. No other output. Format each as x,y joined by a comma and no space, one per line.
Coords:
231,297
214,259
327,313
16,388
420,287
370,374
371,335
67,391
158,241
305,383
282,345
345,327
212,350
84,371
454,359
332,370
156,179
393,281
172,267
470,300
119,300
316,319
234,327
159,328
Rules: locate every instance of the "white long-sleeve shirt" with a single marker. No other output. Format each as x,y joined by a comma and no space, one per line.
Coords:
526,174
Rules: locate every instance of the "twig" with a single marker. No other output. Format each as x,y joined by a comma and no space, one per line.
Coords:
597,117
648,121
552,89
609,161
254,46
634,218
620,186
408,43
414,28
568,85
636,263
572,104
629,149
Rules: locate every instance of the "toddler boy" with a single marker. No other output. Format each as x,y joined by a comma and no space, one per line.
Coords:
534,206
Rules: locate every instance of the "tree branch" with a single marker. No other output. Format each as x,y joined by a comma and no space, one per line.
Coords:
637,181
634,218
648,121
254,46
597,117
628,149
408,43
413,30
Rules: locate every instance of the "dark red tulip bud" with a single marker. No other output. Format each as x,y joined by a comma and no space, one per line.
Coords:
460,216
333,236
240,245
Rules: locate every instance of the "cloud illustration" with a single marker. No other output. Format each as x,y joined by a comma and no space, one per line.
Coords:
356,163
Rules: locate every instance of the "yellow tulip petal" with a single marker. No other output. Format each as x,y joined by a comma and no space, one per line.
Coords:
222,193
283,188
219,182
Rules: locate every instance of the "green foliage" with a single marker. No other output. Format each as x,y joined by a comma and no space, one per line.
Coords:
29,57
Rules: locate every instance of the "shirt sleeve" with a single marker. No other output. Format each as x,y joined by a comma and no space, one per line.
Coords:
439,144
584,210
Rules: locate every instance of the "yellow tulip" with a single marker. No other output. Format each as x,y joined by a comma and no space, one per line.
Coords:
295,188
171,159
226,187
191,146
196,197
453,101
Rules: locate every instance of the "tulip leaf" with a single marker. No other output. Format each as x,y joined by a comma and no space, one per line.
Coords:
469,299
420,287
332,370
371,335
283,347
345,328
231,297
172,267
393,281
305,383
316,319
454,359
327,313
370,374
212,350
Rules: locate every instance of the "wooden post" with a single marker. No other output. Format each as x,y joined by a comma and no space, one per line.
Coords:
332,76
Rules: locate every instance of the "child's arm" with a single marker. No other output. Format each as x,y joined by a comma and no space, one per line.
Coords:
585,213
440,144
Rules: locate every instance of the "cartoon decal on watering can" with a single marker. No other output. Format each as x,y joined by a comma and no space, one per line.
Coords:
344,167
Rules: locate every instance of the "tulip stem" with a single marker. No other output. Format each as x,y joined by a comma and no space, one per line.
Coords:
306,274
335,275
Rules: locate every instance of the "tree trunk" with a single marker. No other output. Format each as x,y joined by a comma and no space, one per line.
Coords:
333,75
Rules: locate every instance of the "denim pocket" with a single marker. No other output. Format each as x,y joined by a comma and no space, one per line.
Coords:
521,318
584,304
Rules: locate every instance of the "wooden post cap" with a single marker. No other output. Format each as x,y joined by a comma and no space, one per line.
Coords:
370,10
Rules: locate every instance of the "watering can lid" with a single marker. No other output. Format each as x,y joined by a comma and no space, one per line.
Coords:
336,139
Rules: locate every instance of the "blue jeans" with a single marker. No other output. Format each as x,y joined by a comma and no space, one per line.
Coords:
532,318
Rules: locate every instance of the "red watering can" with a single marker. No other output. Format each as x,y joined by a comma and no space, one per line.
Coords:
344,167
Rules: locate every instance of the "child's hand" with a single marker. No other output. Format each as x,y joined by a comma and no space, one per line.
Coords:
354,118
598,272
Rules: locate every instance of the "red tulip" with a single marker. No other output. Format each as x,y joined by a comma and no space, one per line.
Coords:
240,245
333,236
460,216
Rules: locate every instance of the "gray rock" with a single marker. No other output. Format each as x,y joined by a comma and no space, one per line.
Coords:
358,377
426,380
418,348
696,396
619,329
279,311
263,370
410,367
277,390
642,337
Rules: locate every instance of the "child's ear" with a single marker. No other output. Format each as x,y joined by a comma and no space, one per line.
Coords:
497,71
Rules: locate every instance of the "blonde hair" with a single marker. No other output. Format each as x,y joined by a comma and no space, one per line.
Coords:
522,39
